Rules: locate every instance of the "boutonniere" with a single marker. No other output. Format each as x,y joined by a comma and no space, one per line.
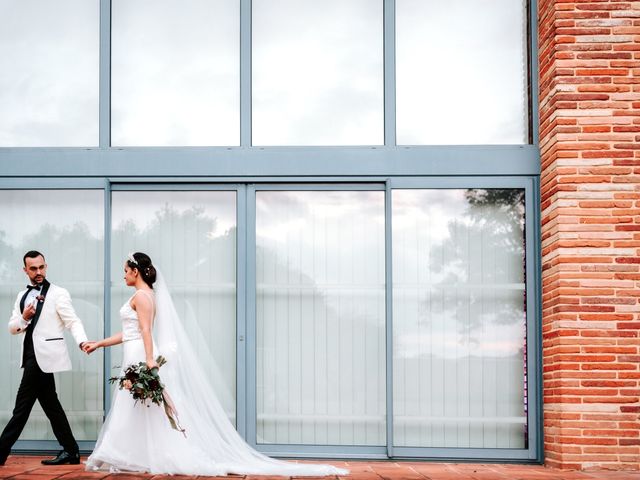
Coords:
40,298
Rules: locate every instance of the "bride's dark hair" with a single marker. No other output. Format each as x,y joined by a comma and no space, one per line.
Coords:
142,262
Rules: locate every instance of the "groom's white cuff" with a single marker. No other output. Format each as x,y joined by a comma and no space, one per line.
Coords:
23,324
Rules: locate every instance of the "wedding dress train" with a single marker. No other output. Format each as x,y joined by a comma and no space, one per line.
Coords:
138,438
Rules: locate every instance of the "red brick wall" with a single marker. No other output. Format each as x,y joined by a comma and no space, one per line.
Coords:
589,57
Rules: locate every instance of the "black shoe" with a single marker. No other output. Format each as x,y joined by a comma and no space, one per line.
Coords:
63,458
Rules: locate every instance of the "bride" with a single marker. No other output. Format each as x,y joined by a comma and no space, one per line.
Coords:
138,438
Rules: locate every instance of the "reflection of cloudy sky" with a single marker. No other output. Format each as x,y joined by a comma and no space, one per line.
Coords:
443,336
176,78
435,238
461,73
317,72
424,250
328,203
141,207
325,235
49,73
433,207
279,212
23,212
501,341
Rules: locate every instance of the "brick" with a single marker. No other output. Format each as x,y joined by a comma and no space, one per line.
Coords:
629,441
590,157
627,260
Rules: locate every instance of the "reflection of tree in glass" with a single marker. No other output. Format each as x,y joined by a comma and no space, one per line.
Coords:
199,265
189,232
192,259
493,223
72,253
510,202
7,252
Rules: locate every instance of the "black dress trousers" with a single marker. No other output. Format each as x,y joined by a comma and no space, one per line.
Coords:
37,385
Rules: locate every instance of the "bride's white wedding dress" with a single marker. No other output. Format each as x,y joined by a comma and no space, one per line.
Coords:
139,438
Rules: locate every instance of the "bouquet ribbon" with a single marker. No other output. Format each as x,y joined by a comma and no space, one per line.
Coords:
172,413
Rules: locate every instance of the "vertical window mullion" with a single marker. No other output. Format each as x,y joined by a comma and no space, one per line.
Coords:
104,127
245,73
389,30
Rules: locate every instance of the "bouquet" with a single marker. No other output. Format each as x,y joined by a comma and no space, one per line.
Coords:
144,384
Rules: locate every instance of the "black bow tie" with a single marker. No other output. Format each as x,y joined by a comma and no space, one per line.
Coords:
33,287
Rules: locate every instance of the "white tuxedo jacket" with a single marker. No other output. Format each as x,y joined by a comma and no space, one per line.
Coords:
48,335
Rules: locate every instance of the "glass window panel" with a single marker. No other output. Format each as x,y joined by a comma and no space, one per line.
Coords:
320,307
459,336
67,226
317,72
191,237
49,73
461,72
175,72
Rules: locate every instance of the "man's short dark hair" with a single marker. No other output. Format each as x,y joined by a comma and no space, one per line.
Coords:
31,254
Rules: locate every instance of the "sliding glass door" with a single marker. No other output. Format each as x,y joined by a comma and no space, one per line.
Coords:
67,227
191,236
320,316
459,318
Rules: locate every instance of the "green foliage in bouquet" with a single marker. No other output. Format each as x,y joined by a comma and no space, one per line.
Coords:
144,384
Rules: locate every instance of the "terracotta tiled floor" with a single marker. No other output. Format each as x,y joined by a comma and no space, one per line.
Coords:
29,468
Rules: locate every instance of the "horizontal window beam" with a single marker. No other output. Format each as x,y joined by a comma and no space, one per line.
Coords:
273,162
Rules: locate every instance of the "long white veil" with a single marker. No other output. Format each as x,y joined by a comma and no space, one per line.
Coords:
208,429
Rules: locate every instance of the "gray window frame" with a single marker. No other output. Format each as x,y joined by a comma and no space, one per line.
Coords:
534,339
246,168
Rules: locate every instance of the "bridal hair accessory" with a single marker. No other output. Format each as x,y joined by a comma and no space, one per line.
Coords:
131,259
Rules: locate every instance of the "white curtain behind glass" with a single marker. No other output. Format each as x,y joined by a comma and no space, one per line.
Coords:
67,227
461,72
49,73
320,310
458,318
176,72
191,236
317,72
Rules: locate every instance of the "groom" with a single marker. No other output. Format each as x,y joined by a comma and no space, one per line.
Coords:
41,313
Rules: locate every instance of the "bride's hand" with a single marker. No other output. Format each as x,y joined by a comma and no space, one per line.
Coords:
152,364
89,347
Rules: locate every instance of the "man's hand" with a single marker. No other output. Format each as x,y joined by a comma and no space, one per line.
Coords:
88,347
28,312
